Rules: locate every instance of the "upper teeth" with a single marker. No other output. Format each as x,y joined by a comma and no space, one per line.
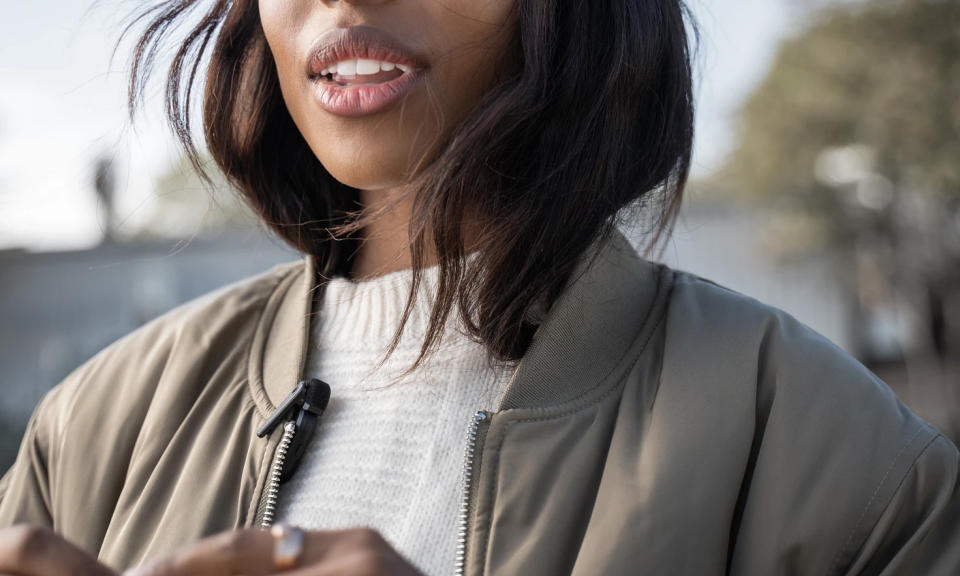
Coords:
361,67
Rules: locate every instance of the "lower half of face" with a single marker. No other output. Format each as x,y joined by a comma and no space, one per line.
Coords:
376,122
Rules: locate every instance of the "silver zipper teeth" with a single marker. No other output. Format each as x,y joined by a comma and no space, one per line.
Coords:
465,496
273,488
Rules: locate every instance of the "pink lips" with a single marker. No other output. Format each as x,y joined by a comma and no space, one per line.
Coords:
340,95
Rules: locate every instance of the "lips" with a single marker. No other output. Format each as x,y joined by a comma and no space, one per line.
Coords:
362,70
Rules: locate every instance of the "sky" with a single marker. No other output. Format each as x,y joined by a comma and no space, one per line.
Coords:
62,105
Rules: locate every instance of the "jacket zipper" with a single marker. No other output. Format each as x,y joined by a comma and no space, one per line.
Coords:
474,444
276,471
281,468
299,412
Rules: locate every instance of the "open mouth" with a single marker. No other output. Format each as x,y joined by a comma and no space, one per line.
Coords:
356,89
362,72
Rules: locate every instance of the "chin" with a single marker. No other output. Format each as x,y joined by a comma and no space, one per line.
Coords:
369,153
366,172
370,166
366,181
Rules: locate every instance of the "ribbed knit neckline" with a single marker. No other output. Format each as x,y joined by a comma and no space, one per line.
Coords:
366,313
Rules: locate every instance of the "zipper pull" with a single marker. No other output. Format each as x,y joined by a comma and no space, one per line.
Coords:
303,407
295,399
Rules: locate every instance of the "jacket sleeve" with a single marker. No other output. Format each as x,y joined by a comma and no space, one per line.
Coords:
919,530
842,477
25,490
857,483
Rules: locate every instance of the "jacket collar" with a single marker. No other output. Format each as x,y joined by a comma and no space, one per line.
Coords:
279,348
606,306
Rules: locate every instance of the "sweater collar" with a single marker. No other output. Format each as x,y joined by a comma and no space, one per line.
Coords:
608,304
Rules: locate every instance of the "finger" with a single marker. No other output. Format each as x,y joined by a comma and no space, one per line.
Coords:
349,563
354,552
35,551
250,552
246,552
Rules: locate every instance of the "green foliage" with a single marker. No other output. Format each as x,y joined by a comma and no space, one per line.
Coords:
880,73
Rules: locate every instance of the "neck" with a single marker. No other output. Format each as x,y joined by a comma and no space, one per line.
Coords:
385,244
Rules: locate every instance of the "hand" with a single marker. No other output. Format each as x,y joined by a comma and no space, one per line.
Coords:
34,551
356,552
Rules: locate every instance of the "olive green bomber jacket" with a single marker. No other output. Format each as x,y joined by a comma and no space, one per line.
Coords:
659,424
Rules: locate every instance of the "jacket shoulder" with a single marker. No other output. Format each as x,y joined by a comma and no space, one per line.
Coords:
206,331
225,317
163,366
765,346
831,444
215,309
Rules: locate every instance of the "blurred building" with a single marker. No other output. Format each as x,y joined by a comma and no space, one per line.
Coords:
733,244
57,309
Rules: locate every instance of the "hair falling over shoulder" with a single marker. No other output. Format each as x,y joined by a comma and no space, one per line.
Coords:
595,121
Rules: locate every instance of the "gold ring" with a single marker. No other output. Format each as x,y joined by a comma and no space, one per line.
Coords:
288,544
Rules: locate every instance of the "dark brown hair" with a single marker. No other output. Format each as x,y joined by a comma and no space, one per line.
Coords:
596,118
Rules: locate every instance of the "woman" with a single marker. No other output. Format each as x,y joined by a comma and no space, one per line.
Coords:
453,171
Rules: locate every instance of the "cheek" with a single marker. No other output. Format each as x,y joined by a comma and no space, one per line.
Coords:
282,24
473,53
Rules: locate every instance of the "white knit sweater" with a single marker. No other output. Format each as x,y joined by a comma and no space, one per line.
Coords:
388,453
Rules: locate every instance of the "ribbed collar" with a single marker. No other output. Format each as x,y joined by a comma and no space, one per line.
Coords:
607,305
364,315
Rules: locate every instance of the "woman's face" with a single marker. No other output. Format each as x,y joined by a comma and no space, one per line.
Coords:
375,86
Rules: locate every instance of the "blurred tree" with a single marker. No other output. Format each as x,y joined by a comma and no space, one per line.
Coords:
857,126
185,206
881,74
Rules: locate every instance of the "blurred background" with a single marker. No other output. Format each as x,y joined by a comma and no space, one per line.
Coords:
826,182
